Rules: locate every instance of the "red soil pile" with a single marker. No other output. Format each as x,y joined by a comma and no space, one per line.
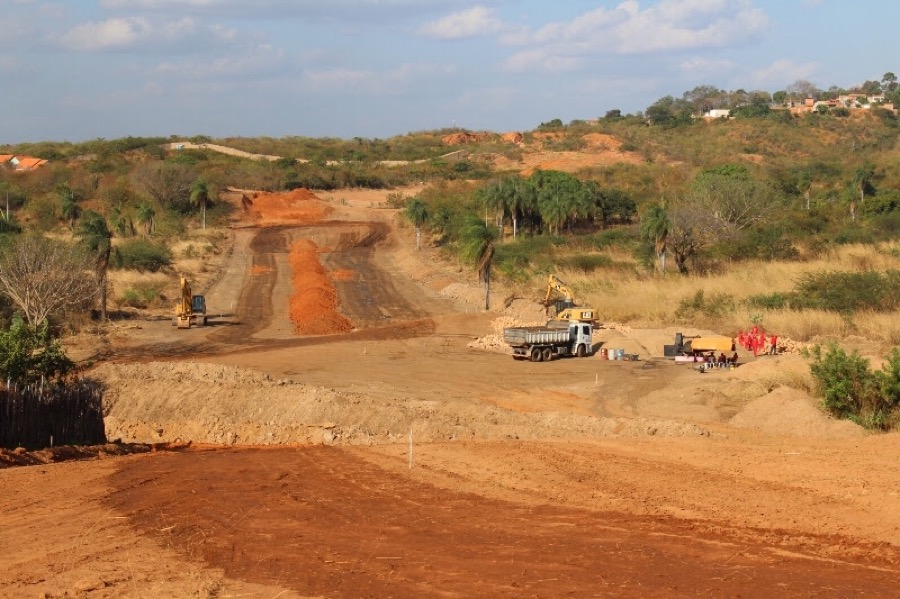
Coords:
314,304
294,207
343,274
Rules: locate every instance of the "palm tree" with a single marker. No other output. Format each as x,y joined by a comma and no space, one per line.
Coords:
97,237
656,226
491,199
417,213
145,215
200,196
68,206
477,244
862,178
804,184
514,199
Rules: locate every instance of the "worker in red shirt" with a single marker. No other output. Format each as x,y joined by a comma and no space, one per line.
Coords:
773,344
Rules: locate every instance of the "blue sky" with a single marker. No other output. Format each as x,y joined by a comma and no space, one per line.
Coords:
84,69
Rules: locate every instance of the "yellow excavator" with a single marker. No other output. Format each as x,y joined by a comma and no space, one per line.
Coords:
566,309
190,309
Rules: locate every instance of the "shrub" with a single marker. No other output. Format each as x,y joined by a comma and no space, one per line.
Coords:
29,354
716,306
141,255
848,291
850,389
770,301
586,262
142,295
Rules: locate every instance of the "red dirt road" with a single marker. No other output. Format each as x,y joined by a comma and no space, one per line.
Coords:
326,523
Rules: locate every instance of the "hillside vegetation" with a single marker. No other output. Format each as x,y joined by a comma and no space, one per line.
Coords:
740,208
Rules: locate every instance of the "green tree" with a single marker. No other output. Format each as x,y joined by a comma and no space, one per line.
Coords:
656,226
862,179
559,197
889,82
97,238
201,196
416,212
29,353
146,215
69,207
477,240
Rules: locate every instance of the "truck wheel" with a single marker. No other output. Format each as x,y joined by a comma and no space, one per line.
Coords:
581,351
548,354
536,354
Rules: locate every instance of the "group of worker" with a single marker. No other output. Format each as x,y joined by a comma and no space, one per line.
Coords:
757,341
722,361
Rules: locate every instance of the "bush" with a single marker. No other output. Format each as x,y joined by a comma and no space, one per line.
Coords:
761,244
848,291
716,306
141,255
142,295
586,263
770,301
851,390
30,354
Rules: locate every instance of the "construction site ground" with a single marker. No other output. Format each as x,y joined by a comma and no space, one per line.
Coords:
395,449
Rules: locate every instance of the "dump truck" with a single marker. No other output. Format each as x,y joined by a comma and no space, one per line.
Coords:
566,309
542,344
190,309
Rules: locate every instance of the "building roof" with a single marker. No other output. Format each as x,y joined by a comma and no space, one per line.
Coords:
27,163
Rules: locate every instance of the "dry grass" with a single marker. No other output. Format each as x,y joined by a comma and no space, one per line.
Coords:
653,300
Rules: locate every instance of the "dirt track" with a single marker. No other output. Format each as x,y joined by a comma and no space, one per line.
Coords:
574,478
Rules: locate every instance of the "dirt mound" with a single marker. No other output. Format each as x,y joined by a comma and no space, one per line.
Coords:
520,313
294,207
513,137
790,412
210,403
314,303
459,139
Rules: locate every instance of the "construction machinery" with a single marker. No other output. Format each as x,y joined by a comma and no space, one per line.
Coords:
542,344
565,308
697,346
190,309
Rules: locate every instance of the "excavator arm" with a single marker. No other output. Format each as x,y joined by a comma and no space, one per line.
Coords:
555,284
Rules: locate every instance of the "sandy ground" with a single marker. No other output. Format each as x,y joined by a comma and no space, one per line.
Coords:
412,456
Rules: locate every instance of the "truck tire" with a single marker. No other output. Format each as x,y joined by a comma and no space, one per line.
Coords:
536,354
547,354
581,351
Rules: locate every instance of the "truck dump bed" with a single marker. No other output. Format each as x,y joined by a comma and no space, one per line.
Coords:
524,336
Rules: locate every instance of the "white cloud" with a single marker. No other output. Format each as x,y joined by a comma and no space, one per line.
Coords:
374,82
131,33
705,66
629,28
473,22
108,34
260,61
783,72
335,10
540,59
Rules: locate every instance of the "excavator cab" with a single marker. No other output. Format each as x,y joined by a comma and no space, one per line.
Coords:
561,305
198,304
